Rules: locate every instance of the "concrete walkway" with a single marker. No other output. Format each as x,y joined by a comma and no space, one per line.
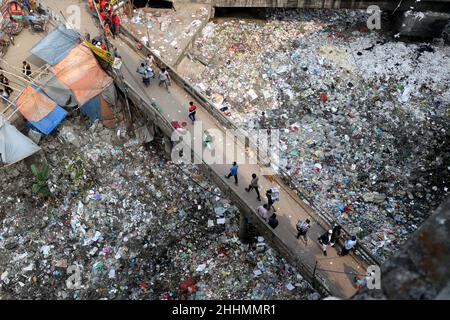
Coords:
290,209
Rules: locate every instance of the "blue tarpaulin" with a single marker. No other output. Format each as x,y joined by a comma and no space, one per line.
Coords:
92,109
51,121
56,45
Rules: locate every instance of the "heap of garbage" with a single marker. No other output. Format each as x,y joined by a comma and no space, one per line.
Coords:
363,116
123,222
166,32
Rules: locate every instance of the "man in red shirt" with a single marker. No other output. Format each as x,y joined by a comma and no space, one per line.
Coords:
115,24
192,111
116,21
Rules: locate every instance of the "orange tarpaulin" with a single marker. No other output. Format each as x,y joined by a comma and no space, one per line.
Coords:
108,119
34,105
80,71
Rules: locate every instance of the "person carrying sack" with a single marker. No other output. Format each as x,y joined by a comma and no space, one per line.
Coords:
302,228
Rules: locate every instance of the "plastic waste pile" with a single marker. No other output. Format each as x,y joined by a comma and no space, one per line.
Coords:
125,223
363,117
167,32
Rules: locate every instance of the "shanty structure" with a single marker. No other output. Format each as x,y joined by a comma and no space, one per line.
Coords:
42,112
72,79
56,45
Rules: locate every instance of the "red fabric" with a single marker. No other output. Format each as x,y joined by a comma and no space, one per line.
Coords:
323,97
103,4
103,15
144,285
192,108
175,124
186,284
117,20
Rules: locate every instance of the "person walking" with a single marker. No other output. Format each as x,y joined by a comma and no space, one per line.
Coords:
164,78
116,53
349,244
26,68
192,111
263,212
113,25
302,228
368,278
325,240
4,95
233,172
336,235
91,5
5,82
273,221
109,8
150,60
146,73
254,185
272,195
116,22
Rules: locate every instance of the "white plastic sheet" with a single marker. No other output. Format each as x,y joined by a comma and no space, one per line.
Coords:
14,146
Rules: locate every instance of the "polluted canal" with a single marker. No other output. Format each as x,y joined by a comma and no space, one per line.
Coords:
133,224
363,115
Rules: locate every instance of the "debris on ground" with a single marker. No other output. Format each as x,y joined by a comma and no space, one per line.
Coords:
166,31
363,116
126,223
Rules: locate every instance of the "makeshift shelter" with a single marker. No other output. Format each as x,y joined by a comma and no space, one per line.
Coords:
82,74
34,105
57,91
14,146
51,121
98,108
56,45
43,113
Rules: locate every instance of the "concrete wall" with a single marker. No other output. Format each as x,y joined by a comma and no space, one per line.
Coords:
430,25
421,269
435,5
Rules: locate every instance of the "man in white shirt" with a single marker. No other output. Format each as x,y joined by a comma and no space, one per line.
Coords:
349,244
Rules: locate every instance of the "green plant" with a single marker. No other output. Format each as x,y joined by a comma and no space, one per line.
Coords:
40,185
